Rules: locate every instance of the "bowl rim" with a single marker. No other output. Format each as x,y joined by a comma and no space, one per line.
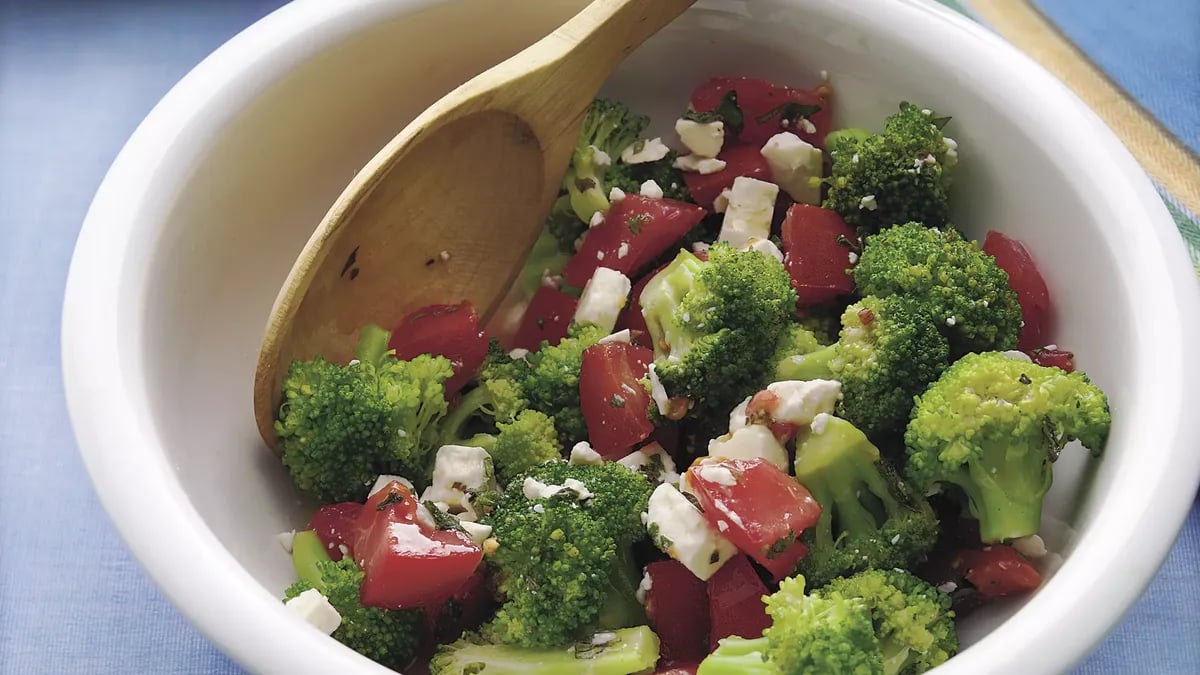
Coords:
117,438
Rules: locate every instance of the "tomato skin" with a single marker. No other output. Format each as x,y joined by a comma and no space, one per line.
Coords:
473,604
1053,358
763,510
636,230
1024,278
451,331
677,610
393,548
756,98
547,318
998,571
740,160
615,405
336,526
735,603
815,255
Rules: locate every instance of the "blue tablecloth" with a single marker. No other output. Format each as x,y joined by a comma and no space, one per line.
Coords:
75,79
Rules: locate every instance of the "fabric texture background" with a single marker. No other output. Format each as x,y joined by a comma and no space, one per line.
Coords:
75,80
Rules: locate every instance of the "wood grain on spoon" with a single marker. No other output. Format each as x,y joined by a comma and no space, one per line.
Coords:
450,207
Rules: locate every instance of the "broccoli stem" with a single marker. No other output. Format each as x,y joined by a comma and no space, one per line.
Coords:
372,343
629,650
471,402
812,366
896,656
738,656
1006,509
307,551
621,608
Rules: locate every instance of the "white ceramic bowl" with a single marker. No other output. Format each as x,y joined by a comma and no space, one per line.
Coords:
200,217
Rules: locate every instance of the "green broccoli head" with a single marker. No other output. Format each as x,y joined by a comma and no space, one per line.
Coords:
716,325
557,553
912,620
389,637
550,381
901,175
608,128
341,426
738,656
795,344
889,350
524,443
961,287
869,518
820,634
993,426
629,177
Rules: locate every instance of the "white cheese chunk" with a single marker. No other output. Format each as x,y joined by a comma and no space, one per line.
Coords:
644,151
799,401
622,335
750,442
721,202
533,488
458,469
315,609
285,540
737,418
679,529
717,474
658,393
478,532
603,298
751,207
818,424
703,139
651,459
795,166
644,587
600,157
383,481
701,165
651,190
765,247
616,194
583,454
1031,546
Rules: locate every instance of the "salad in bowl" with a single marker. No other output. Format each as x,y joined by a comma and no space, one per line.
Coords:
762,409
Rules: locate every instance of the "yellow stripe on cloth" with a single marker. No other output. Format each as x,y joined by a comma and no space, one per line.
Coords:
1167,160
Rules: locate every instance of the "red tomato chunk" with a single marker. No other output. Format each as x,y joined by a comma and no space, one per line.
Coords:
998,571
615,405
758,507
677,610
763,112
451,331
635,232
336,526
394,549
735,602
740,160
818,250
547,318
1024,278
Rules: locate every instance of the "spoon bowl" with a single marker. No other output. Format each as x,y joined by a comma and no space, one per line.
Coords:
448,210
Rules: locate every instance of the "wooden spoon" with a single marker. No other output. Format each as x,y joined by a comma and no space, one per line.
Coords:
448,210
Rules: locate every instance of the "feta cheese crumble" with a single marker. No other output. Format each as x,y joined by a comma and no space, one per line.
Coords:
583,454
794,163
751,208
750,442
678,529
703,139
641,152
316,610
701,165
800,401
651,190
603,298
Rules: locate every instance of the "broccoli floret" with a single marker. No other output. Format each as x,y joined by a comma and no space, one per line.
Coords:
341,426
630,650
716,325
913,621
390,637
869,518
818,634
551,381
629,177
888,352
895,177
555,562
527,441
796,343
993,426
608,128
961,287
